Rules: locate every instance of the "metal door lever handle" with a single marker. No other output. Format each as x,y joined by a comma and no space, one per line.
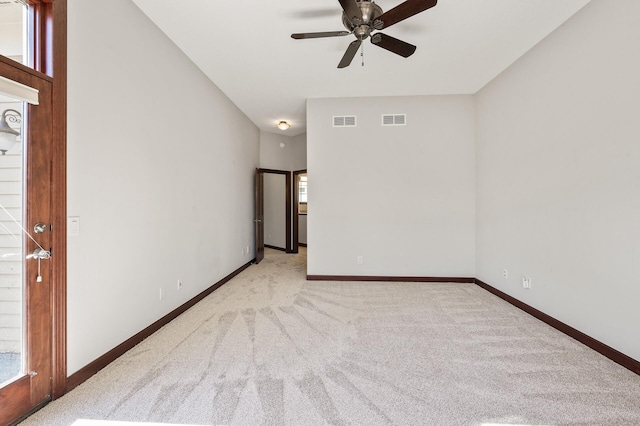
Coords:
39,254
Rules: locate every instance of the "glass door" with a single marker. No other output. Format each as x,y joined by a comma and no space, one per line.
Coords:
25,241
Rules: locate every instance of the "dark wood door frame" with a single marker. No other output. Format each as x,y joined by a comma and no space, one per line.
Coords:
296,212
288,204
258,217
55,41
48,28
45,311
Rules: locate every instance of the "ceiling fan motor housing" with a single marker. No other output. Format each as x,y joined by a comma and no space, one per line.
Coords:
362,28
362,17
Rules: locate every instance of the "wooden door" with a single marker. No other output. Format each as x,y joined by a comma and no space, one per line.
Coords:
30,384
259,216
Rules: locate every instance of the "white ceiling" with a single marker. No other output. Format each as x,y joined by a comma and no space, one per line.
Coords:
245,48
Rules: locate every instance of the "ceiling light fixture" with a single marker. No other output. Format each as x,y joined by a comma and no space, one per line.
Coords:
8,136
283,125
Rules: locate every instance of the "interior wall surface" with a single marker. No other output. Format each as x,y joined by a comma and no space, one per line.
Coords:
558,182
392,200
160,174
282,152
299,152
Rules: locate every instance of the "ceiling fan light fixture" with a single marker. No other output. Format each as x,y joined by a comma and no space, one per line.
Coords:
283,125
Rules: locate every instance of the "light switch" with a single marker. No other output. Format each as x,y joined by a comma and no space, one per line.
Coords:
73,226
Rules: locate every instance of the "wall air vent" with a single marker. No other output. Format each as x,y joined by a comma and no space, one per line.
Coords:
394,119
344,121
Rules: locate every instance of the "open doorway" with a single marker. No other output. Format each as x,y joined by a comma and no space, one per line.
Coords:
299,209
273,211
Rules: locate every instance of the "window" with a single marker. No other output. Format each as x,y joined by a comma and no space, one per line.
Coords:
302,190
14,30
302,194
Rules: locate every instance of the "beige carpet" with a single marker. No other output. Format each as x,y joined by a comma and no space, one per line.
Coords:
270,348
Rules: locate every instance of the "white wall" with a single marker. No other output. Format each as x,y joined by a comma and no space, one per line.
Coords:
160,172
292,157
298,156
403,198
558,175
275,210
302,229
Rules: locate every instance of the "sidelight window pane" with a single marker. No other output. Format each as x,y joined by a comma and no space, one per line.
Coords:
14,30
11,240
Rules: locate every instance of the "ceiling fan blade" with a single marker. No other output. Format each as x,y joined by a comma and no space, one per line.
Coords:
394,45
349,54
403,11
316,13
353,12
300,36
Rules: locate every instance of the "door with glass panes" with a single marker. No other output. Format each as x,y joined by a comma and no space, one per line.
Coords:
25,240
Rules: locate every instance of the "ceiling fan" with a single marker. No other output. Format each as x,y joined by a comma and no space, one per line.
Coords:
362,17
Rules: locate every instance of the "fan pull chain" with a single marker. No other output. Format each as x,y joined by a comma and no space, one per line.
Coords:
362,53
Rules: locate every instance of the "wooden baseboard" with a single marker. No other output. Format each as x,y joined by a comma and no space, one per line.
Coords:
614,355
92,368
302,244
275,248
29,413
391,279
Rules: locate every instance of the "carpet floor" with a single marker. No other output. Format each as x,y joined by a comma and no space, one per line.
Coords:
270,348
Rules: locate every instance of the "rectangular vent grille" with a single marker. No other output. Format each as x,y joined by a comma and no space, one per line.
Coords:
344,121
394,119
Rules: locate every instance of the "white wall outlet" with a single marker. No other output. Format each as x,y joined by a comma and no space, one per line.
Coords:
179,285
505,274
359,260
526,282
247,250
162,293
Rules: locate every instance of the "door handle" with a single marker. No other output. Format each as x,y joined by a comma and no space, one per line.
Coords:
39,254
257,221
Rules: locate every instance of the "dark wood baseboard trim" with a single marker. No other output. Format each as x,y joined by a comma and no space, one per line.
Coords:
390,279
92,368
276,248
614,355
32,411
302,244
